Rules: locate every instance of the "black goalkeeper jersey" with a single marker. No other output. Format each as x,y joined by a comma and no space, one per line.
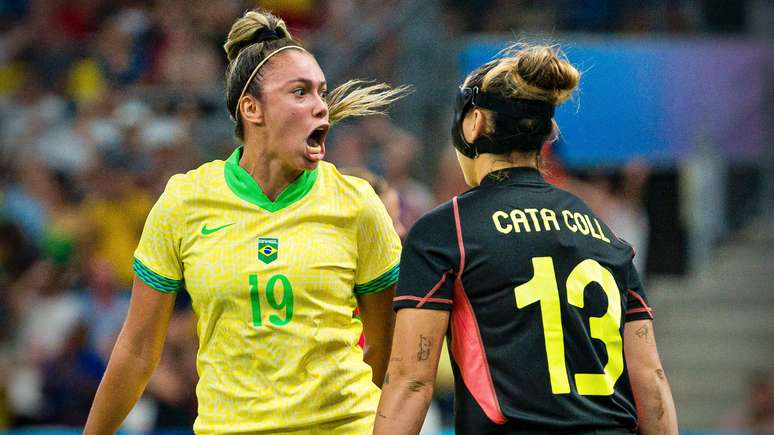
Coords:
539,290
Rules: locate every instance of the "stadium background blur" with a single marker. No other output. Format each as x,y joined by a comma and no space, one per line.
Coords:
669,141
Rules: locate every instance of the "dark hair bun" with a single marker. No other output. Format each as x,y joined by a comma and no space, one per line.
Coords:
255,27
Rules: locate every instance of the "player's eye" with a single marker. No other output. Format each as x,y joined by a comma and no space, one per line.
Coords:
324,94
299,92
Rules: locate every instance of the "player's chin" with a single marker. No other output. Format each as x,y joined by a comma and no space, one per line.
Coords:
309,164
312,156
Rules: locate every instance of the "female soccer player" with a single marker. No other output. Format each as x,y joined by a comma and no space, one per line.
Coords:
275,247
550,331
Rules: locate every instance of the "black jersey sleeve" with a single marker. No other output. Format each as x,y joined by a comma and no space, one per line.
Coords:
637,307
428,262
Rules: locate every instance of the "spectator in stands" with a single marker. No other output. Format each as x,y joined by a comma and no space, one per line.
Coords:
399,150
70,379
185,60
24,199
448,181
46,312
113,212
387,194
105,302
173,384
755,414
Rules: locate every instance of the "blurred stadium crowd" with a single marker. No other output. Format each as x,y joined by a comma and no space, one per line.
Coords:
102,101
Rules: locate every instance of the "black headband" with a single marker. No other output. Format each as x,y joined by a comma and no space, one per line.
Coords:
519,123
265,34
512,107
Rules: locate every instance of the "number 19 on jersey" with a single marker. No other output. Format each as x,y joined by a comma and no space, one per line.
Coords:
285,304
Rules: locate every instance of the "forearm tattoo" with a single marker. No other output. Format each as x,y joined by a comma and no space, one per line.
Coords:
424,348
644,334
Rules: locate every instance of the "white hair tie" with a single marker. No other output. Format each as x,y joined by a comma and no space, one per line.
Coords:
257,67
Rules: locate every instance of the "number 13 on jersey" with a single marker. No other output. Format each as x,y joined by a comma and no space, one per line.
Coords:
543,289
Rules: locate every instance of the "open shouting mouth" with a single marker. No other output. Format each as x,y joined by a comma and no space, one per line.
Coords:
315,143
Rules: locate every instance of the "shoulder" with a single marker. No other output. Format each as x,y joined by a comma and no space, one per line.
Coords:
571,201
350,184
188,184
622,245
349,191
204,173
432,242
434,223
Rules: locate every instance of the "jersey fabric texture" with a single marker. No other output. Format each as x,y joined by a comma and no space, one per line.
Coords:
539,290
273,285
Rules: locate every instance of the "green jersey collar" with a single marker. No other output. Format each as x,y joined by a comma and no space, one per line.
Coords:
244,186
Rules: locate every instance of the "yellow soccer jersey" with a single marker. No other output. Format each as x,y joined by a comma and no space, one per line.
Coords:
273,285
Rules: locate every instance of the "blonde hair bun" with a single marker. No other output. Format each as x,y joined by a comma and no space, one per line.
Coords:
535,72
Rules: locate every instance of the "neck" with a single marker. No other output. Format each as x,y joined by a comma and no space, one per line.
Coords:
267,170
488,163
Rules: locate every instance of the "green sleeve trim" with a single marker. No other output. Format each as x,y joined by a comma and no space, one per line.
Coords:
154,280
380,283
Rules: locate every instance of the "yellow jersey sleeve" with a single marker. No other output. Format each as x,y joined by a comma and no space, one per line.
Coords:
378,246
157,257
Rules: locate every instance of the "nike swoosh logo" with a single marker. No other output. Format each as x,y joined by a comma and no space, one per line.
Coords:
207,231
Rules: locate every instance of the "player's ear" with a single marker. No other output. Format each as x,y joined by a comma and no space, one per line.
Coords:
251,110
474,125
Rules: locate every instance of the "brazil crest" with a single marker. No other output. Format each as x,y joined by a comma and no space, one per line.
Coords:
267,249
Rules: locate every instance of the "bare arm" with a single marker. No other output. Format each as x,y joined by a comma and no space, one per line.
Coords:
408,386
655,406
378,322
133,360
